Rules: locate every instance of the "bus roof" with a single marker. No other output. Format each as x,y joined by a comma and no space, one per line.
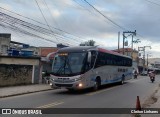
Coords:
111,52
86,48
76,49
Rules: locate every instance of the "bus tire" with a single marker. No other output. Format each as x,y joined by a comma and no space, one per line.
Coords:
97,84
122,80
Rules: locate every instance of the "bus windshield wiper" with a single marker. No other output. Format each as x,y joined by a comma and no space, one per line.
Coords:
63,66
60,69
69,66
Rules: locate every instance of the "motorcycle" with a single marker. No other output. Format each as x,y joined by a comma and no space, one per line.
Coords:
135,75
152,77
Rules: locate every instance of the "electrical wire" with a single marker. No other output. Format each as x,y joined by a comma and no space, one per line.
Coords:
105,16
23,26
153,2
45,19
79,38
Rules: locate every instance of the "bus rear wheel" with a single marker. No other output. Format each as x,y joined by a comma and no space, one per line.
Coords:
122,80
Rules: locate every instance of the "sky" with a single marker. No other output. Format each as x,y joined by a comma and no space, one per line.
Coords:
79,22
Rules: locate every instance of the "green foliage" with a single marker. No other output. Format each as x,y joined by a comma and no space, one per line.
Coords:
88,43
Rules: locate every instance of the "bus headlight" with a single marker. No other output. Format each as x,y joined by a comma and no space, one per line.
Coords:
80,85
50,84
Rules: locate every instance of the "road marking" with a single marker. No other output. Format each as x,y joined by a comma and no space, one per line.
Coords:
97,92
50,105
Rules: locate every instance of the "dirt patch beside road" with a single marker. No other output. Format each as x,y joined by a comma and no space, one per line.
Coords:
152,99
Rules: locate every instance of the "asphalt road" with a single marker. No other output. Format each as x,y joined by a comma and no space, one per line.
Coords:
110,96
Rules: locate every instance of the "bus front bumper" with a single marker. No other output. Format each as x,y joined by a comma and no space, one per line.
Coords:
76,85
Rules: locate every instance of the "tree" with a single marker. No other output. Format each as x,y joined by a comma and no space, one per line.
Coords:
88,43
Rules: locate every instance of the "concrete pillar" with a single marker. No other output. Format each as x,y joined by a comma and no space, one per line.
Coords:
33,70
40,72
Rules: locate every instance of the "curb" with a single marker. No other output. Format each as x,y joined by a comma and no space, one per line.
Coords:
24,93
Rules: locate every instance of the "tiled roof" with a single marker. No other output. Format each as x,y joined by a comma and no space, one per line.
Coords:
45,51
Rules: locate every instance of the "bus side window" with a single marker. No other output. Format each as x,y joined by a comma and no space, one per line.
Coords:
98,63
93,58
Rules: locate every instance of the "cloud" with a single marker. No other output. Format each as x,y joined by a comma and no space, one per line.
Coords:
56,13
5,6
82,20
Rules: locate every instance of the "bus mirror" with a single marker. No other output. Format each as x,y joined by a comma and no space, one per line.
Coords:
89,57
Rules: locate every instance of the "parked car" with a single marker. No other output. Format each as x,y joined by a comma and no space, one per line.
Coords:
144,73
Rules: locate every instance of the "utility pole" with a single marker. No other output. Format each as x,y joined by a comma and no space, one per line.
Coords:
130,33
118,40
140,49
147,59
134,41
123,41
144,57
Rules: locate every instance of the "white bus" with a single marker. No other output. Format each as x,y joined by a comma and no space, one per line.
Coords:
85,66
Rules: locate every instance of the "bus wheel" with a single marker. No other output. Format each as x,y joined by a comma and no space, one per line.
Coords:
122,80
97,84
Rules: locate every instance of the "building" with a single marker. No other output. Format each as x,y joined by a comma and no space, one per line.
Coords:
129,52
4,43
18,70
46,62
140,65
36,50
23,64
17,66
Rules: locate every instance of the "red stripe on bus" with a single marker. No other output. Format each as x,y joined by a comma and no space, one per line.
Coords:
108,51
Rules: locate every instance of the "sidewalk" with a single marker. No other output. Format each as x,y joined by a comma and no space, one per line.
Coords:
154,102
19,90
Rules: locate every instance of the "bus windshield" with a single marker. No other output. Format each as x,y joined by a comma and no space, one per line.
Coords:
68,64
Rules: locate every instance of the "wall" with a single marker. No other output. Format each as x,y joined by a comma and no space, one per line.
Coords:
47,65
19,70
135,56
4,43
15,74
44,51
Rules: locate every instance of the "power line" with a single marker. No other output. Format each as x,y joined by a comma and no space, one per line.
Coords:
105,16
153,2
21,26
40,23
50,13
108,17
45,18
82,6
67,34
